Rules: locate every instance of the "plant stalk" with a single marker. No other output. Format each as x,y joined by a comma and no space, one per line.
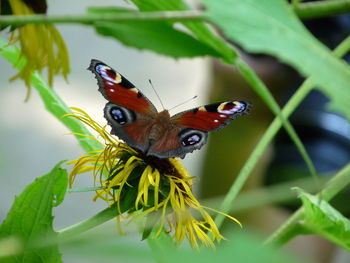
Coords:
342,49
303,10
87,224
335,185
91,18
321,8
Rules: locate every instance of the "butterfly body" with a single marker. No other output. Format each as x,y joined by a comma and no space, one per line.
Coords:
135,119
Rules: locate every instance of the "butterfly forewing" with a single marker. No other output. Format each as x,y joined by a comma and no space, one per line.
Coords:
211,117
118,90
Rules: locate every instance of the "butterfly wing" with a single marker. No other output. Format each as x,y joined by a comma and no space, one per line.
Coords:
191,127
211,117
118,90
177,142
135,120
128,111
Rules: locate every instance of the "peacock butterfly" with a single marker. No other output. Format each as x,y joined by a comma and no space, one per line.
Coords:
135,120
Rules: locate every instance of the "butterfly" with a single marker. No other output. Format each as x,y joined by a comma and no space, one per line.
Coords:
136,121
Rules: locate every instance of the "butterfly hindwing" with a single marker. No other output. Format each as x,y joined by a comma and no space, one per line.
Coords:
178,142
128,125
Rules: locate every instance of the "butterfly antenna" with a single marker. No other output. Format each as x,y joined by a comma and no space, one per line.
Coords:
182,103
150,82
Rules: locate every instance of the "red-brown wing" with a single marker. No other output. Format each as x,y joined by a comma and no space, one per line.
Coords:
167,143
211,117
177,142
135,134
118,90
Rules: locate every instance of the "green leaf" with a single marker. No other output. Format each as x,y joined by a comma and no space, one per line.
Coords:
30,218
271,27
198,28
322,219
158,36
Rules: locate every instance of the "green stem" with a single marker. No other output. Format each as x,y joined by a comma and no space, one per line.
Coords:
275,194
271,131
261,89
287,231
335,185
260,148
322,8
91,18
343,48
96,220
84,189
303,10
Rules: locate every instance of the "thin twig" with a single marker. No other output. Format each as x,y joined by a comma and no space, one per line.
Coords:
322,8
303,10
90,18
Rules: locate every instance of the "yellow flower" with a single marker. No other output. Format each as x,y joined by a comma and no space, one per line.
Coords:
41,44
160,189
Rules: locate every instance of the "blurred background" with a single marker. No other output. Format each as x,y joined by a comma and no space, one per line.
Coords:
32,141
